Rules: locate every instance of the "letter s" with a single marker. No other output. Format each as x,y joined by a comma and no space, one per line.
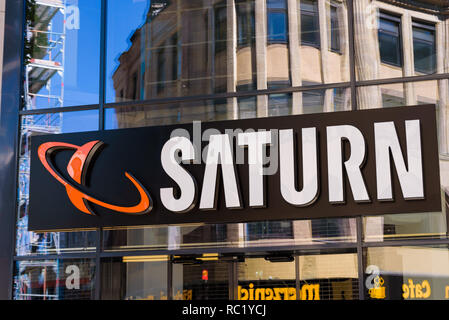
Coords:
187,199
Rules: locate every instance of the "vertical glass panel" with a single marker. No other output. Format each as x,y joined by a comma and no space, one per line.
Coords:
245,57
206,279
158,49
398,40
279,105
262,279
328,276
54,280
322,54
134,278
62,53
247,107
407,273
48,243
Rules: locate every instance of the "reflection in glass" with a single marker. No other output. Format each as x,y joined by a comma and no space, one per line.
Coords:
310,27
165,48
134,278
421,225
237,235
402,94
277,21
407,273
414,93
48,243
314,101
54,280
424,47
398,40
62,53
150,53
405,226
389,40
328,276
157,237
206,279
260,279
335,27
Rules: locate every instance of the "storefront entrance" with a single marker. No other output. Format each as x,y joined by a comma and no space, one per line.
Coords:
303,275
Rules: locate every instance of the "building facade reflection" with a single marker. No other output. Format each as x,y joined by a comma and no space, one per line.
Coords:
177,61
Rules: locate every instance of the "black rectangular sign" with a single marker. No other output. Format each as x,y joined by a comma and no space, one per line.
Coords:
339,164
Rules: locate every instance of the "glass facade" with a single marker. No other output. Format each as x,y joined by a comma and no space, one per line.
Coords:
112,64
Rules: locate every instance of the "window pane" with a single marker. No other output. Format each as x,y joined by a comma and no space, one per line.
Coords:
28,243
310,33
279,105
329,275
277,26
276,4
393,44
308,5
134,278
389,26
424,50
246,29
430,225
259,279
158,49
62,52
335,29
54,280
208,280
313,101
407,273
322,54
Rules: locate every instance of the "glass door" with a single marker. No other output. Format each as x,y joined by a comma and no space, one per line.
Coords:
328,275
267,277
200,278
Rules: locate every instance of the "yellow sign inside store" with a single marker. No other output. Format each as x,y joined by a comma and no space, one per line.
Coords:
419,290
307,292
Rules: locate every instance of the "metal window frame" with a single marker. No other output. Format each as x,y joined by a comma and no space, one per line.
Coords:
12,84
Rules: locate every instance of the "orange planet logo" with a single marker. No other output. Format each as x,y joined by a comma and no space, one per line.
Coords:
77,169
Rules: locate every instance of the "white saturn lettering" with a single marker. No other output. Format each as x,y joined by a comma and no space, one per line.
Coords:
220,158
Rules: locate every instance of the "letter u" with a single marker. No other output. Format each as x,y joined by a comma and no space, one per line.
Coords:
309,192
